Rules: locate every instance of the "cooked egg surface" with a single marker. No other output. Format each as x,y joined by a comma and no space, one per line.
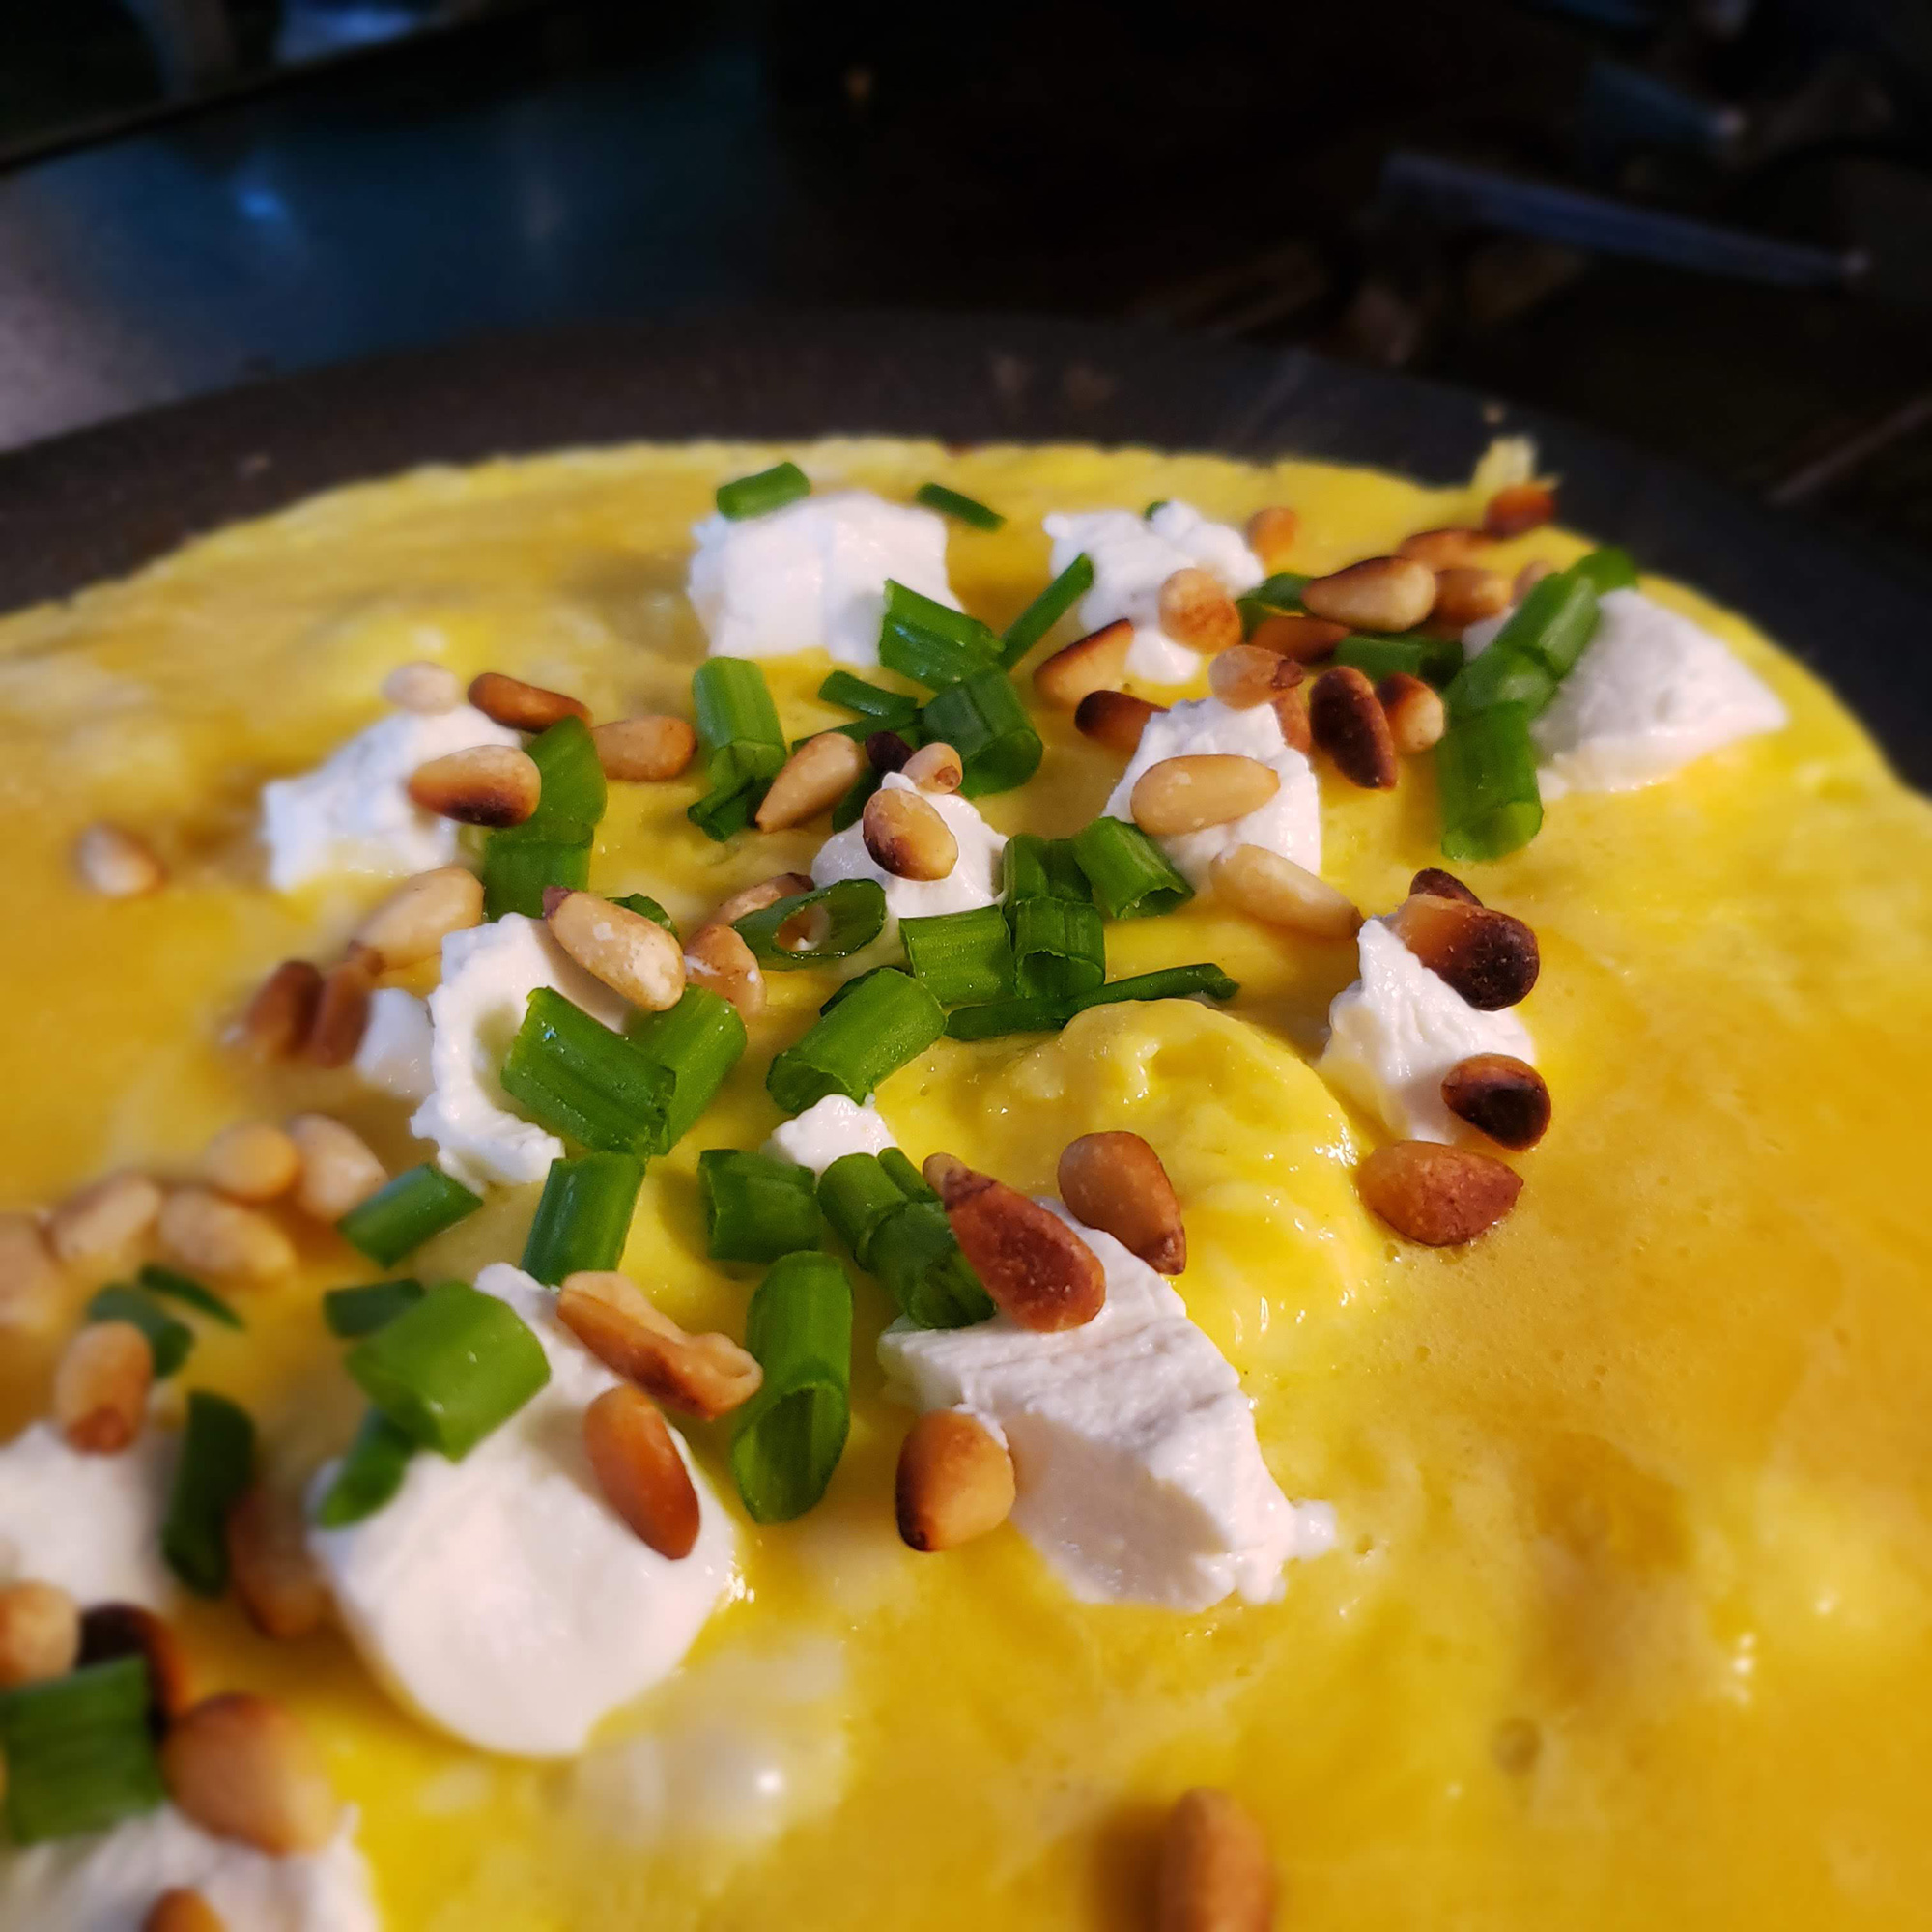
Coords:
1627,1621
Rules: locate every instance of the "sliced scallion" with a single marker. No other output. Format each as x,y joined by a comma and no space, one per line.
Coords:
1167,982
516,873
184,1289
646,907
1032,868
893,710
883,1210
884,1023
169,1342
1131,876
369,1475
847,989
1047,610
1272,597
1007,1016
930,642
910,1183
351,1312
1059,938
983,719
1486,778
858,1197
577,1077
583,1217
216,1464
1435,660
758,494
833,923
743,744
951,504
398,1219
756,1209
78,1752
552,846
1608,568
962,956
789,1437
698,1043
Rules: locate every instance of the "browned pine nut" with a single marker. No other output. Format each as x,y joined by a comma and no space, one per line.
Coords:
756,899
29,1281
1216,1874
705,1375
1466,596
1442,885
906,836
1277,891
1039,1273
104,1218
1381,593
1190,793
1196,611
246,1768
1344,718
210,1235
1293,635
812,780
422,687
1416,719
482,784
633,955
717,958
180,1910
279,1582
639,1469
1114,719
1272,534
341,1012
1114,1181
1489,958
887,751
1446,549
1521,508
116,863
522,707
1441,1196
646,750
955,1481
1501,1096
249,1161
336,1168
412,924
1097,661
281,1015
101,1387
109,1631
935,767
1291,710
1245,675
1530,575
40,1633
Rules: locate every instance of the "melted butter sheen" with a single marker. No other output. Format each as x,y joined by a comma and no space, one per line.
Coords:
1628,1622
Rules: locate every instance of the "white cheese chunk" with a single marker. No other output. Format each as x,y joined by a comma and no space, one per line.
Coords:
814,575
1132,558
975,877
501,1597
489,971
1651,693
91,1525
1290,823
1139,1476
354,813
1396,1032
829,1129
395,1050
108,1881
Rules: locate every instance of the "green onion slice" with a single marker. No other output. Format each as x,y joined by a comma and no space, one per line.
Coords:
351,1312
983,719
1486,778
1131,876
1609,568
516,873
577,1077
789,1437
583,1217
883,1210
874,1031
184,1289
1273,597
398,1219
1046,611
1033,868
216,1464
756,1209
1060,948
698,1043
892,710
767,491
951,504
646,907
575,794
78,1752
858,1195
169,1342
743,746
816,927
846,988
962,956
1007,1016
369,1475
930,642
1041,1015
1435,660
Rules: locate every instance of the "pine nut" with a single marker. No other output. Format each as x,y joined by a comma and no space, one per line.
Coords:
1272,534
1529,577
1277,891
1381,593
1196,611
424,687
887,751
278,1582
29,1281
40,1633
1114,1181
1416,719
1216,1874
936,768
717,958
337,1169
1438,884
1097,661
482,784
639,1469
116,863
244,1767
812,780
1489,958
756,899
646,750
1114,719
1188,794
180,1910
249,1161
1500,1097
1291,710
1454,549
208,1234
1294,634
1244,676
1520,509
1345,720
633,955
522,707
412,924
906,836
342,1012
955,1481
101,1387
705,1375
1441,1196
1039,1273
103,1219
1466,596
281,1015
109,1631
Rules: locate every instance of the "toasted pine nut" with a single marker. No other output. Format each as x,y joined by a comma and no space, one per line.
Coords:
1040,1274
101,1387
1441,1196
279,1582
705,1375
412,924
522,707
427,687
341,1012
1216,1874
29,1281
208,1235
1414,712
250,1161
1345,720
637,1467
244,1767
1381,593
1294,634
104,1218
1278,891
481,784
1271,533
1501,1096
1114,1182
887,751
1442,885
1489,958
645,750
1466,596
1097,661
1521,508
1114,719
109,1631
935,767
906,836
630,955
1450,549
180,1910
812,780
1196,611
281,1015
1205,789
1530,575
338,1169
40,1633
756,899
1244,676
116,863
1291,710
717,958
955,1481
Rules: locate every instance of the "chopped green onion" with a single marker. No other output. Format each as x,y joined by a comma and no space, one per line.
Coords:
930,642
789,1437
1131,876
1499,678
574,1075
216,1464
756,1209
769,490
574,795
1046,611
369,1475
1435,660
399,1218
1167,982
853,915
78,1752
1159,503
1544,636
698,1043
884,1023
1007,1016
451,1368
858,1196
910,1181
1274,596
983,719
743,746
1609,568
892,710
646,907
848,988
1060,948
351,1312
583,1217
169,1342
1486,777
951,504
516,871
962,955
852,806
1032,868
883,1210
184,1289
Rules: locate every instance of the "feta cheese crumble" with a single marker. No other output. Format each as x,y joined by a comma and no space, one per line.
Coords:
501,1598
975,877
91,1525
813,573
1132,558
394,1053
1396,1032
1139,1476
828,1130
354,813
1290,823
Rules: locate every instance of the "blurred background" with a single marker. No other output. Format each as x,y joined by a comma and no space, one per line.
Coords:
1705,225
